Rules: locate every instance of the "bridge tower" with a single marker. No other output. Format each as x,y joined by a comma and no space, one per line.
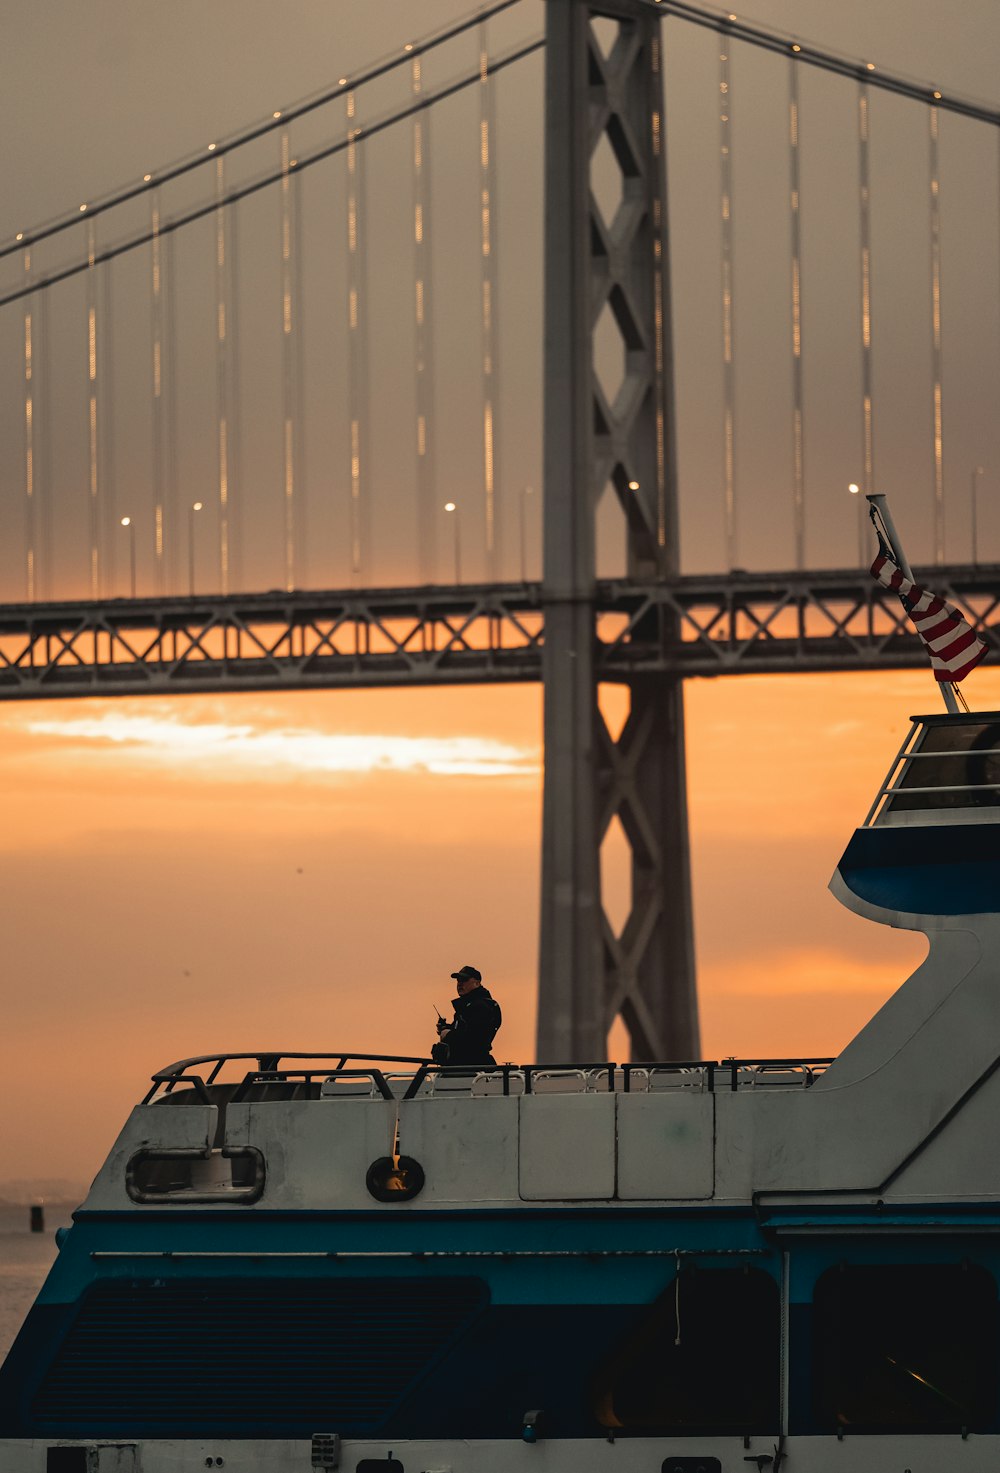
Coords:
588,975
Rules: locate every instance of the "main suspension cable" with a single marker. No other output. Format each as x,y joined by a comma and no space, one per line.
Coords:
244,191
279,119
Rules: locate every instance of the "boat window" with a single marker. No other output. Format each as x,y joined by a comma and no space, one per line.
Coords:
272,1355
704,1358
191,1176
905,1348
962,762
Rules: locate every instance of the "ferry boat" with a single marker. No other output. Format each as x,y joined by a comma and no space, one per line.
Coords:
313,1262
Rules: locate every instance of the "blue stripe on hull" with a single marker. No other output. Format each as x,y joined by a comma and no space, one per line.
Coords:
205,1363
926,870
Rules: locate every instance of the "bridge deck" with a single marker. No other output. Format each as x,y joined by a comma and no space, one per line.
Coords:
725,624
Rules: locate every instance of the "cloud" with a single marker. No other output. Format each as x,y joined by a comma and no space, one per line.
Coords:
808,971
242,749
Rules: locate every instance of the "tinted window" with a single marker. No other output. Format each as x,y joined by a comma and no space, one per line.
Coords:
261,1357
953,757
905,1348
703,1358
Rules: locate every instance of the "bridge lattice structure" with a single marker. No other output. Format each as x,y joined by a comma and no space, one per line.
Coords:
274,435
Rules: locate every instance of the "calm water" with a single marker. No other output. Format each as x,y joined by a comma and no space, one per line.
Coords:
25,1258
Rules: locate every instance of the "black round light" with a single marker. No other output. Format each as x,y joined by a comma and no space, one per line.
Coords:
397,1180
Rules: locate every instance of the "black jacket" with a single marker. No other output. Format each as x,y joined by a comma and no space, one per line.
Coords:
477,1018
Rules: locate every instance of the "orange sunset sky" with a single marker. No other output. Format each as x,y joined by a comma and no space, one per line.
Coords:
305,871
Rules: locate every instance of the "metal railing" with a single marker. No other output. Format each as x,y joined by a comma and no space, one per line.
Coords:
306,1069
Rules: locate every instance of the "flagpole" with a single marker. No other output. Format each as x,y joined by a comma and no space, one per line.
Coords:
880,505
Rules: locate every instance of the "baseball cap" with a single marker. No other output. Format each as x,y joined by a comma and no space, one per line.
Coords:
472,972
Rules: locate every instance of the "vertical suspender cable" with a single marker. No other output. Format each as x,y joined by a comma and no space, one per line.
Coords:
41,375
865,234
488,194
170,544
30,531
106,409
357,331
798,451
234,440
423,363
936,357
223,327
660,322
93,448
158,385
298,380
728,361
289,362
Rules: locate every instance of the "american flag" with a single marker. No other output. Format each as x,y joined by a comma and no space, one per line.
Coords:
953,645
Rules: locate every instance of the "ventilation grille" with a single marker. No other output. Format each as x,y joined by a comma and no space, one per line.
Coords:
260,1354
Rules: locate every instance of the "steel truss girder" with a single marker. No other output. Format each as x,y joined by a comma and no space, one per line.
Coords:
291,640
777,623
721,625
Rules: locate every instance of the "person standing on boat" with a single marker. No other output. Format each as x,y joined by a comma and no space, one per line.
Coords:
467,1039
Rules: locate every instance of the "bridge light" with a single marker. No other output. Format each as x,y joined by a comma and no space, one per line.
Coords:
450,506
128,524
854,488
146,178
82,208
937,96
796,46
195,507
870,66
633,485
211,148
276,114
19,235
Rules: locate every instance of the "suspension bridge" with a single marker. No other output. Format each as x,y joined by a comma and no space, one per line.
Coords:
357,397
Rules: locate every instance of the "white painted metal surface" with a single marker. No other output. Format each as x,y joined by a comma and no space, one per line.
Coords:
666,1153
928,1454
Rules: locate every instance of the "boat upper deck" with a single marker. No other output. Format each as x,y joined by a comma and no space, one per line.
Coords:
341,1132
